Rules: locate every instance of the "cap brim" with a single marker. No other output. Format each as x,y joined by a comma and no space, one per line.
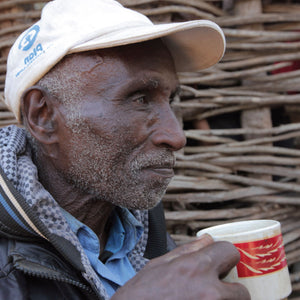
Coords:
194,45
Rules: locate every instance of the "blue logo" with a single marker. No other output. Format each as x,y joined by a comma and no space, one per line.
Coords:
29,38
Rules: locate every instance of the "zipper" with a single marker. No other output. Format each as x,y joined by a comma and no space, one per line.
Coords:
55,277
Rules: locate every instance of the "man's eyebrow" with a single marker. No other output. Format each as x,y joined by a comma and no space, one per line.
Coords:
153,82
149,82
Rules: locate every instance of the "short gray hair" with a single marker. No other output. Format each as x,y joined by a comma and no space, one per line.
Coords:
64,84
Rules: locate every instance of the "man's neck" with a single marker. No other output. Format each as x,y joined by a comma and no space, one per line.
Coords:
89,210
93,213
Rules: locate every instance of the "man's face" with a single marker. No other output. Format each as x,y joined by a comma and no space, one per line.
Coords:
119,147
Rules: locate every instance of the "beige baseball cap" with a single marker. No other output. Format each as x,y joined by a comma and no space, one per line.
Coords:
70,26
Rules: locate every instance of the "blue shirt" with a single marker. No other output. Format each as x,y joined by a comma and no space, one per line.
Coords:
123,236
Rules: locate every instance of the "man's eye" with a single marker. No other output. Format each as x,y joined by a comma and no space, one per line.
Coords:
140,99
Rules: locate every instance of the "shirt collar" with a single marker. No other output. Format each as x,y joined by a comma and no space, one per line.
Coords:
124,233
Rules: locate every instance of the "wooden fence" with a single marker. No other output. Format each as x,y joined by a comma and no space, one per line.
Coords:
241,117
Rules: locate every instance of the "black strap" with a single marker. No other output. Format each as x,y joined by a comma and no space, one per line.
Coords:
159,242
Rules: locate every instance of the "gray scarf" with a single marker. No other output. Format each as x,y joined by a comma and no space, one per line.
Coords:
15,160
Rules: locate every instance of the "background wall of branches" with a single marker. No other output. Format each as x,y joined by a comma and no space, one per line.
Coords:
241,117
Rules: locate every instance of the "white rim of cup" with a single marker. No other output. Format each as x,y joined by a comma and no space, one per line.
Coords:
263,226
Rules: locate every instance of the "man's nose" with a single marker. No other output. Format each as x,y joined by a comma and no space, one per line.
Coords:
168,131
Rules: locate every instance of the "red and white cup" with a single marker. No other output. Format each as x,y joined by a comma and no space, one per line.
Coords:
262,267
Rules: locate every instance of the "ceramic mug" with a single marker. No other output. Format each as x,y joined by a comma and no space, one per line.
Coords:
262,267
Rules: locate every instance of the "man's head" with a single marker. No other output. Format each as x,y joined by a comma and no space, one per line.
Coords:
104,120
96,95
73,26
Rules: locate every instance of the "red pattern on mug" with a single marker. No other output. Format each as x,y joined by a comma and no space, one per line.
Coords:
261,257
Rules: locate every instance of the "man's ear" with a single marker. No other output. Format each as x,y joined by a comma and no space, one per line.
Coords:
38,112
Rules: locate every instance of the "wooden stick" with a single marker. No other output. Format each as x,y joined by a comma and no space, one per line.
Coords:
265,169
175,9
270,212
264,100
6,115
220,111
258,60
263,46
4,123
261,35
279,87
222,196
259,18
234,92
14,29
255,159
273,199
222,149
7,42
20,15
13,3
264,140
201,166
235,74
188,3
206,215
239,131
291,187
210,139
279,8
197,184
282,76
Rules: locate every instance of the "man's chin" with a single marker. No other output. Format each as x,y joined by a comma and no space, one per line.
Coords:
144,201
147,202
133,196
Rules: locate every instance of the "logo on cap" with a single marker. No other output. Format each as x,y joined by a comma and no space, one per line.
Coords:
29,38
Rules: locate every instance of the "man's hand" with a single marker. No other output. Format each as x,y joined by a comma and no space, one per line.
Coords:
192,271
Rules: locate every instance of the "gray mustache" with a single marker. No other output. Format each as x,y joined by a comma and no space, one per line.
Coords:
161,160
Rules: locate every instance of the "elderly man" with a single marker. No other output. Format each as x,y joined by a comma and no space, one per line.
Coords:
93,85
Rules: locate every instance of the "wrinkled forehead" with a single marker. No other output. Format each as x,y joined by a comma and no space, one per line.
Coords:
136,57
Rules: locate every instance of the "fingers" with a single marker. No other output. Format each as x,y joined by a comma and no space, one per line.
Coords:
200,243
213,263
192,271
236,290
205,254
224,256
217,258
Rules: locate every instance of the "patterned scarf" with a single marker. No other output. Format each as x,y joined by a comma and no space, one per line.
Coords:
16,162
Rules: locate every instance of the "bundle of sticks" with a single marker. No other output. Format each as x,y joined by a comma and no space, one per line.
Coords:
242,122
241,117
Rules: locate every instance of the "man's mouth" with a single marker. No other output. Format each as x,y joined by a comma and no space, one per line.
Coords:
156,164
161,170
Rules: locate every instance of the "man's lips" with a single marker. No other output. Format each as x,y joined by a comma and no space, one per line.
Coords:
164,171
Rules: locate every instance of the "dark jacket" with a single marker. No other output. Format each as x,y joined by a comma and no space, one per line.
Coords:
40,258
35,270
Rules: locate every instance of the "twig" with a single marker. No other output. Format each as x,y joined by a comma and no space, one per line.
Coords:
222,196
258,60
175,9
258,18
257,182
230,75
